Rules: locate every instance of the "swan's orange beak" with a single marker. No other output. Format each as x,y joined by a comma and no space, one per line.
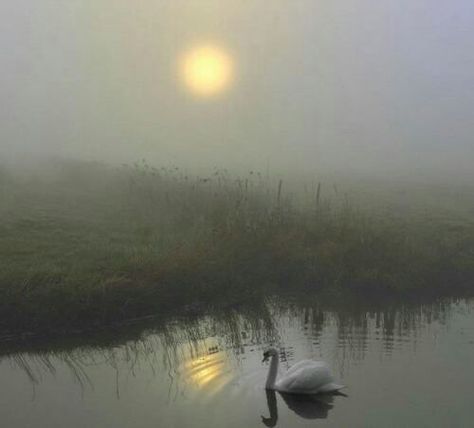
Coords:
265,357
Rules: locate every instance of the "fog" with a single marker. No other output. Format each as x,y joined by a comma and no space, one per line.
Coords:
342,85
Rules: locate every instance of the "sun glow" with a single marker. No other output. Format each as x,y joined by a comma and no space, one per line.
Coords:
207,70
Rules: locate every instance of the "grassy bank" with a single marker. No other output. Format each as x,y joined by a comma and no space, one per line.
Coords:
84,244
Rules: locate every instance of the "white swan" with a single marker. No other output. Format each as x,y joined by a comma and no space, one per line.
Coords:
305,377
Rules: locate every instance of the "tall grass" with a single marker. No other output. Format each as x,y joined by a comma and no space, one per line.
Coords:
87,244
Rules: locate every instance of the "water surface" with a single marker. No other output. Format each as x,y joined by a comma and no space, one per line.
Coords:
404,366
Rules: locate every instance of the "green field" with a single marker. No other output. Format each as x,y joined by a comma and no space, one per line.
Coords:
84,244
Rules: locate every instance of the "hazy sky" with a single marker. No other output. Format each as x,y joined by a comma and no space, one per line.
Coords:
359,84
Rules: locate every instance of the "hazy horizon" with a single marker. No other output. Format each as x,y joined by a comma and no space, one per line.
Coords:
383,87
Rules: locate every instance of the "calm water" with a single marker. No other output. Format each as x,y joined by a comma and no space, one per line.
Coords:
403,367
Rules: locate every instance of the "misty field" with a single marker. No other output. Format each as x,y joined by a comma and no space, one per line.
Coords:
83,244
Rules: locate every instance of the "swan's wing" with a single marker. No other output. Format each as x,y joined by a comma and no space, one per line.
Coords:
307,379
302,364
331,387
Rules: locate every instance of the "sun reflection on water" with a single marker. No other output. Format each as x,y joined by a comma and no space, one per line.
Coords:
205,369
210,369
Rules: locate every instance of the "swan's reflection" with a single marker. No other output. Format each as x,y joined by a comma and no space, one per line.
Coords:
306,406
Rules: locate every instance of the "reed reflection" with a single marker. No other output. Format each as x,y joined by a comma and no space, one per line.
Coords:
207,351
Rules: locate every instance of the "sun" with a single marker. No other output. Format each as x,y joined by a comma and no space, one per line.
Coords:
207,70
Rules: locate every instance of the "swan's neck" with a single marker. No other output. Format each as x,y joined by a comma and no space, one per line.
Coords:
272,373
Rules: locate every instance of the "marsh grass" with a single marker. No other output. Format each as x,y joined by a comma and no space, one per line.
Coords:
85,245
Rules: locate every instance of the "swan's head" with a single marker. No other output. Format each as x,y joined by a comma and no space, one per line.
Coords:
270,352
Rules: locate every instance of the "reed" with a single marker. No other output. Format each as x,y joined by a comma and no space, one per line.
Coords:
92,245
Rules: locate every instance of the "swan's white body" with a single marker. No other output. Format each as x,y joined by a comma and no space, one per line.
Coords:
305,377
